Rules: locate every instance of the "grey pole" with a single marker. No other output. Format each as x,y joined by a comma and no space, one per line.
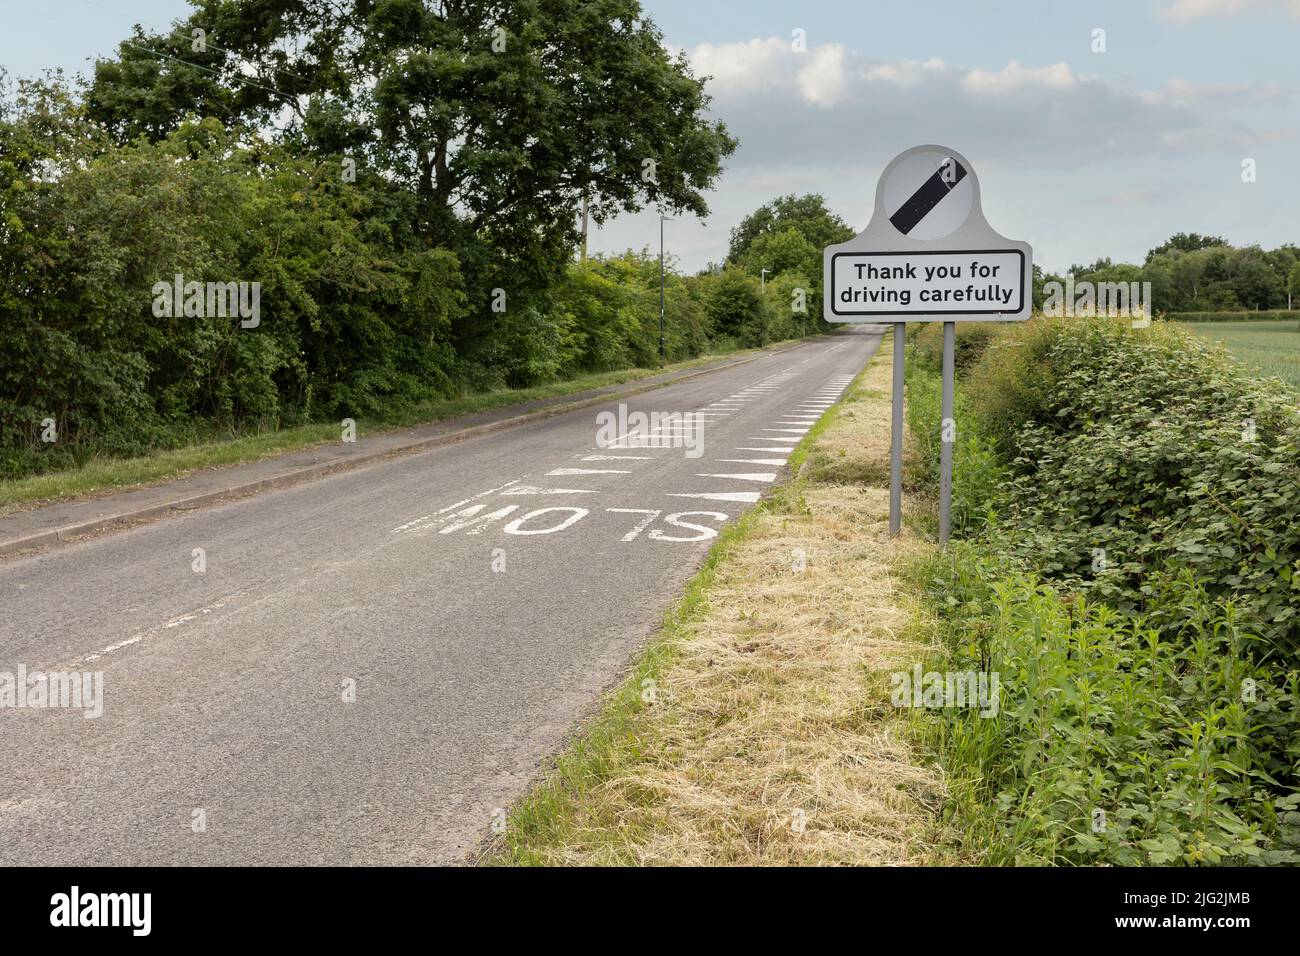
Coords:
896,435
661,290
947,432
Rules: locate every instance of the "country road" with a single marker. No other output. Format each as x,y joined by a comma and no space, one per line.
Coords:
474,599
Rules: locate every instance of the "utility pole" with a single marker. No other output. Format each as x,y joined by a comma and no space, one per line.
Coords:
583,254
661,290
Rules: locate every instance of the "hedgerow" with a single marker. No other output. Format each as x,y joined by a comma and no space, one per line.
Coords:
359,315
1134,579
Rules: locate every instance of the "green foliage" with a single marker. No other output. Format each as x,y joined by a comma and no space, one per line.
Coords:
1151,445
977,469
498,119
1192,273
1135,567
350,322
787,237
969,343
807,215
1116,741
1185,242
226,163
391,173
736,308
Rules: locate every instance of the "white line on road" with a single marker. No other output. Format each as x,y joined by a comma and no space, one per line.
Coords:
533,490
746,496
465,501
564,472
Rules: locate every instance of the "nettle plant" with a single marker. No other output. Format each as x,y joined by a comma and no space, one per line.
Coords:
1178,738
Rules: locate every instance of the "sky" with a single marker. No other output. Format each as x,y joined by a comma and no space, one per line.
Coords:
1081,153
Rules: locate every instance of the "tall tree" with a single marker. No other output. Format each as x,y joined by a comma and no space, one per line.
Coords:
1186,242
500,116
806,214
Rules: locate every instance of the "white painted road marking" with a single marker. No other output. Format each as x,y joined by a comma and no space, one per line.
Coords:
564,472
748,497
533,490
441,511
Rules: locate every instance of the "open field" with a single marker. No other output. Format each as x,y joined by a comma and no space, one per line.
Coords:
1271,348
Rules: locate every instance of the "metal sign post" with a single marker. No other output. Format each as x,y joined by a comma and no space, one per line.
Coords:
927,255
896,434
948,433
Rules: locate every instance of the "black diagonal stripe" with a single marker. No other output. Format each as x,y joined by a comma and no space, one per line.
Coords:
926,198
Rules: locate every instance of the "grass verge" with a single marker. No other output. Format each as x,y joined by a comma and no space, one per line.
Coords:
746,731
101,474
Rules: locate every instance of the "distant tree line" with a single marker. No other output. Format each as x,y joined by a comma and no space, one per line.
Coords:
1195,273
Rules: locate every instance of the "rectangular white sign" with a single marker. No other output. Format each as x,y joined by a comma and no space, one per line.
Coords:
986,283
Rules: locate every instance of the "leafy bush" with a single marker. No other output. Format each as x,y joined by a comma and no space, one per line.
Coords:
1115,740
360,315
735,307
1135,582
351,321
1136,454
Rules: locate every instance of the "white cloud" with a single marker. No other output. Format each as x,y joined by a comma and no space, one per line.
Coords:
906,73
823,81
1014,79
1073,163
747,65
829,104
1183,93
1196,9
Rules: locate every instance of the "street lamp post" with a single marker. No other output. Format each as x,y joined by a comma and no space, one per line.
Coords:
762,279
661,290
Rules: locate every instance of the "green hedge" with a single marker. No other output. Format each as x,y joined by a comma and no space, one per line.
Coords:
1135,579
358,316
1152,445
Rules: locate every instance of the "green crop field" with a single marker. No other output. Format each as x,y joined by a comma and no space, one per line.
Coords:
1271,348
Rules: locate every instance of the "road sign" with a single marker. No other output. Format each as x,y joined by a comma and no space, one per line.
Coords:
928,252
927,255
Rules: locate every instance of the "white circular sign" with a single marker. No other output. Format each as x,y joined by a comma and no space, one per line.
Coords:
929,195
